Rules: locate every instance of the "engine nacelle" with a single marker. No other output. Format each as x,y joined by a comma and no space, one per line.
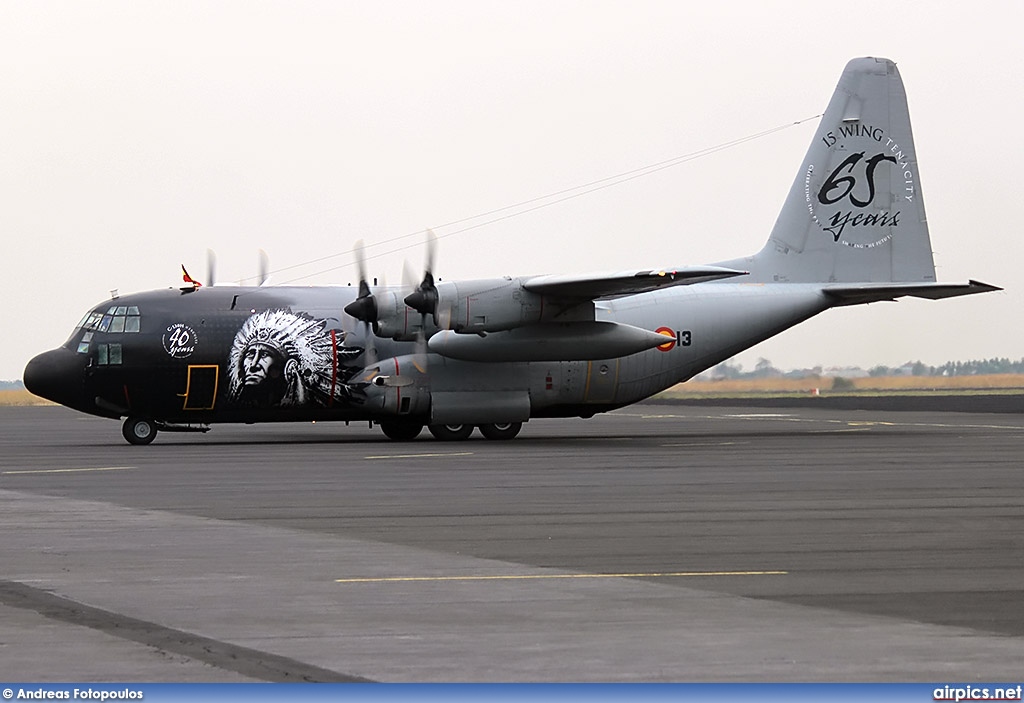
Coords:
474,307
398,321
495,305
398,386
487,305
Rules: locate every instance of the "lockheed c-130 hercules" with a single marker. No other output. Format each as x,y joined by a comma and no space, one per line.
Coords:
491,354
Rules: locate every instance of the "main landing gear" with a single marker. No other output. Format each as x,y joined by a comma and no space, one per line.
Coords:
501,430
406,431
450,433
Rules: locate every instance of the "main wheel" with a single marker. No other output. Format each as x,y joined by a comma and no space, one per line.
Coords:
451,433
401,431
138,431
501,430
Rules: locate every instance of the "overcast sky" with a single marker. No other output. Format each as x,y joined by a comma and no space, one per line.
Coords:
136,135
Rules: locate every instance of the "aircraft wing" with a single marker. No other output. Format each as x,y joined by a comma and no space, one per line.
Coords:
846,294
615,285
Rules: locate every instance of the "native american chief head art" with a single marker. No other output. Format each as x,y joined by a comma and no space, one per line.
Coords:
280,359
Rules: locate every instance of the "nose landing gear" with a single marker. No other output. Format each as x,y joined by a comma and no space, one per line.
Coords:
138,431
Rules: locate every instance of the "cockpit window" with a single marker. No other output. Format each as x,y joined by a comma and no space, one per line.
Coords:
118,318
83,344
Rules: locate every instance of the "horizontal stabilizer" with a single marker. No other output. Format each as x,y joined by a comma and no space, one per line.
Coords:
616,285
876,292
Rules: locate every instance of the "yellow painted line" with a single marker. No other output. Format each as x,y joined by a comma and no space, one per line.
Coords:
538,577
417,456
68,471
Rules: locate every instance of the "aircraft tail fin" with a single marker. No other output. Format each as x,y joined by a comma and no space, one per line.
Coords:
854,212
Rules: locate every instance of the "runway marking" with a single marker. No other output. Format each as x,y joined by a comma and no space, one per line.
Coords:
704,444
780,417
418,456
538,577
68,471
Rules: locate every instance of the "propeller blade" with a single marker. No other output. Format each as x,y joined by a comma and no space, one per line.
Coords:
428,265
424,301
424,298
419,357
360,252
444,317
408,278
370,346
211,267
364,307
264,270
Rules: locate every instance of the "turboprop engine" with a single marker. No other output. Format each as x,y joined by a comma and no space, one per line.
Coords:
536,318
470,307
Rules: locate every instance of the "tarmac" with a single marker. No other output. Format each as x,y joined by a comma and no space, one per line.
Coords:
655,543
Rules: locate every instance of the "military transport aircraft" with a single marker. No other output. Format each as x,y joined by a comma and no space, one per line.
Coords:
491,354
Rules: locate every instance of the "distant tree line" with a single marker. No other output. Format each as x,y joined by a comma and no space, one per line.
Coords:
765,369
954,368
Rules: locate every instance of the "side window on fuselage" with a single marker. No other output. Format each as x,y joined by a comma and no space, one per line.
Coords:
108,354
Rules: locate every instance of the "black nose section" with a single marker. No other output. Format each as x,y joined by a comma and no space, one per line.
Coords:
56,375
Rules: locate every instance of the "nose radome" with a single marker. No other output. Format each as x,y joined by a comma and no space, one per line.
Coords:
55,375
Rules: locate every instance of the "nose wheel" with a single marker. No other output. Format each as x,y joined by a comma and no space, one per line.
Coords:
138,431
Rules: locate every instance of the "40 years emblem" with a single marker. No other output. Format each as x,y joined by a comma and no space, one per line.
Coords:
180,340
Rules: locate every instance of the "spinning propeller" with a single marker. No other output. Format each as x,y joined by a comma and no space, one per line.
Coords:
364,307
424,298
211,268
424,301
